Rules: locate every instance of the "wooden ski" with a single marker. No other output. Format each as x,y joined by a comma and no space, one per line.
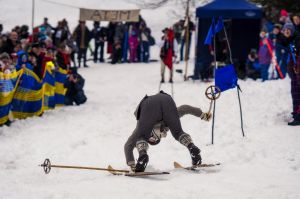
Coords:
113,171
179,166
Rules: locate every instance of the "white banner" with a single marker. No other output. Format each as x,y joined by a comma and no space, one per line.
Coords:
109,15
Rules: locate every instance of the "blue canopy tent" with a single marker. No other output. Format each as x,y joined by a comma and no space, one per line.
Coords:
242,21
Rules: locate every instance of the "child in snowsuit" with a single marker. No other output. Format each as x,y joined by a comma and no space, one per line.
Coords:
155,115
264,55
133,45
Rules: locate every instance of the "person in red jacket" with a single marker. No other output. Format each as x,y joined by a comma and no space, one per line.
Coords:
168,49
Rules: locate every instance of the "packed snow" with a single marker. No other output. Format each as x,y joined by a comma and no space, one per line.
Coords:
263,165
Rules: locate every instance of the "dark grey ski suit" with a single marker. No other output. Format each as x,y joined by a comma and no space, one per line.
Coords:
157,109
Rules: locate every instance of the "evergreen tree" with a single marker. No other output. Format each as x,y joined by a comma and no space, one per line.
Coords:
272,7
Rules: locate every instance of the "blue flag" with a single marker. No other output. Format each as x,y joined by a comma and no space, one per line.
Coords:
213,29
226,78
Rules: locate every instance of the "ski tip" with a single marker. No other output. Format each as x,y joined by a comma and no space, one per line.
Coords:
111,170
177,165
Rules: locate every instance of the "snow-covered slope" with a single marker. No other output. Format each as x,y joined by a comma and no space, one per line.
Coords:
264,164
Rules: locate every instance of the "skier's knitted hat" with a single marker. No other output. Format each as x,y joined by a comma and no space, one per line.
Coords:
289,26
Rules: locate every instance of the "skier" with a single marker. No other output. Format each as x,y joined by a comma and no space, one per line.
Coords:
155,115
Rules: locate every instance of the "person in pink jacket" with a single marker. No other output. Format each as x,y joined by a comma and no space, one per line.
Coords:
133,45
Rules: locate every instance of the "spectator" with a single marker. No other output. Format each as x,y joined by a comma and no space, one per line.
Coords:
23,61
282,46
284,17
24,32
296,22
99,36
63,57
37,59
294,72
9,45
275,33
110,38
252,65
168,47
144,45
74,86
60,34
6,66
47,27
117,52
82,37
264,55
133,45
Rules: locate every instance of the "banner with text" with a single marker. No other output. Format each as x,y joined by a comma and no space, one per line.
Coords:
109,15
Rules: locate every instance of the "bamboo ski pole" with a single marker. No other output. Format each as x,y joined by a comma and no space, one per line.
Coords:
47,167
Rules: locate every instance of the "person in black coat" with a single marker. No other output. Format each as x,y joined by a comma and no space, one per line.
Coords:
74,86
82,36
99,35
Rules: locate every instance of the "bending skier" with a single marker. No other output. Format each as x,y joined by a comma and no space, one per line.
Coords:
156,115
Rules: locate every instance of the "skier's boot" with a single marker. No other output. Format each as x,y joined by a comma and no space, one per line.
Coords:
142,163
195,154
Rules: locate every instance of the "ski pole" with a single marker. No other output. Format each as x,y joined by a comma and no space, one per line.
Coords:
47,167
212,93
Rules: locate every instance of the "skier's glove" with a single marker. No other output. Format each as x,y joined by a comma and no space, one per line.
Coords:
205,116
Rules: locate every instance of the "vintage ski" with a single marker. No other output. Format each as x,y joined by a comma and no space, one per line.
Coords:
131,174
179,166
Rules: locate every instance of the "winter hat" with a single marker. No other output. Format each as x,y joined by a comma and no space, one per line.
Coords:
4,55
283,13
289,26
72,70
278,26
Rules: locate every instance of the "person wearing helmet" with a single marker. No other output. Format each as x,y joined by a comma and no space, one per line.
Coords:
156,115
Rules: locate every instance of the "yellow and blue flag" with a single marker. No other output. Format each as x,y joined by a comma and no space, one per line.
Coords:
49,87
60,90
28,98
8,84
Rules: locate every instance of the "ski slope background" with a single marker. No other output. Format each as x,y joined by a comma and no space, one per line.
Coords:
264,164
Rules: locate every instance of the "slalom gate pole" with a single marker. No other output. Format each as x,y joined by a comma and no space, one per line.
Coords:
214,111
238,87
241,113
